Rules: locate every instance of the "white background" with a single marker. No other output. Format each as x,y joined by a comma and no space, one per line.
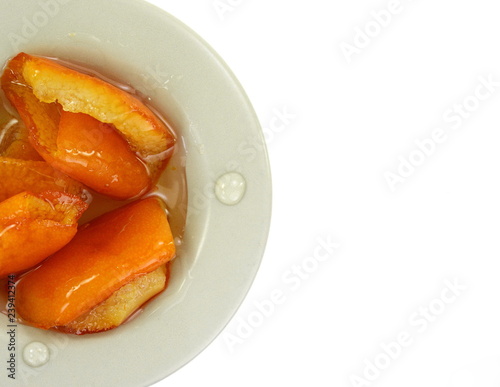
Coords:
349,121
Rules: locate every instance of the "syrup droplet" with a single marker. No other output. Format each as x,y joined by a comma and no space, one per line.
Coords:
36,354
230,188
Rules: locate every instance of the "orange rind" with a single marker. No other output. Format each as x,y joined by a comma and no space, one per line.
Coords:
106,254
34,226
96,155
40,89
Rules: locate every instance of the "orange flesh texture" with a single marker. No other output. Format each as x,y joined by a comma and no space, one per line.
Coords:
105,254
37,87
98,156
17,176
32,227
121,305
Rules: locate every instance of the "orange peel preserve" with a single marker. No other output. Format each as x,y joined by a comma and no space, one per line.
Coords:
35,226
109,133
68,138
106,254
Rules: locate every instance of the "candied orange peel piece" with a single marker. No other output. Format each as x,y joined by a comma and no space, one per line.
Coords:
86,145
40,88
106,254
34,226
17,176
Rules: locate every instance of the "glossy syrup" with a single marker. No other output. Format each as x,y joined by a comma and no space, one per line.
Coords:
171,187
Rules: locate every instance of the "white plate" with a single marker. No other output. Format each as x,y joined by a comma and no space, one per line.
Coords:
223,247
